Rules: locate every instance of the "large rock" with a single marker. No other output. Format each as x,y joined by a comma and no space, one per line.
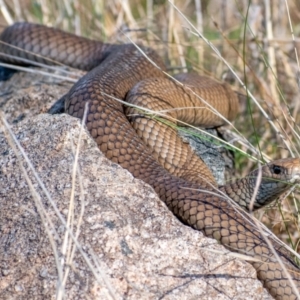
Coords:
131,246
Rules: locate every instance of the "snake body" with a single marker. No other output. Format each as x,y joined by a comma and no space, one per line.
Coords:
180,179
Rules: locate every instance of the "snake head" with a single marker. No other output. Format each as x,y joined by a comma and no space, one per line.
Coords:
277,177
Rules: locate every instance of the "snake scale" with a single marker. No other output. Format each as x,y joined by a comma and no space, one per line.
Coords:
138,144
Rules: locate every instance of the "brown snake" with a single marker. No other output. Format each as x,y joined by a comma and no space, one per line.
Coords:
180,179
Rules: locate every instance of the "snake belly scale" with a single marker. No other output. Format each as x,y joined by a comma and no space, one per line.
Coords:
125,72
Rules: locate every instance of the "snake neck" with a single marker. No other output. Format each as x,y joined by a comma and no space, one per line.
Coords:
255,191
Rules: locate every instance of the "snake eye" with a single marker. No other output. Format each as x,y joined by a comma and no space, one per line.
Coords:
276,169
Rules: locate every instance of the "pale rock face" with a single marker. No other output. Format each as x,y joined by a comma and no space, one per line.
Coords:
134,247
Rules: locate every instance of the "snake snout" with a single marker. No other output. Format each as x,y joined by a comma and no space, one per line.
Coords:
296,175
293,167
287,169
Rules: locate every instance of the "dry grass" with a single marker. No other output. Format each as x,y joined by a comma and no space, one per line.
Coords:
263,54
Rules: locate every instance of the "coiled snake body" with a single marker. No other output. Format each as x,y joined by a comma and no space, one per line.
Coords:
180,178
